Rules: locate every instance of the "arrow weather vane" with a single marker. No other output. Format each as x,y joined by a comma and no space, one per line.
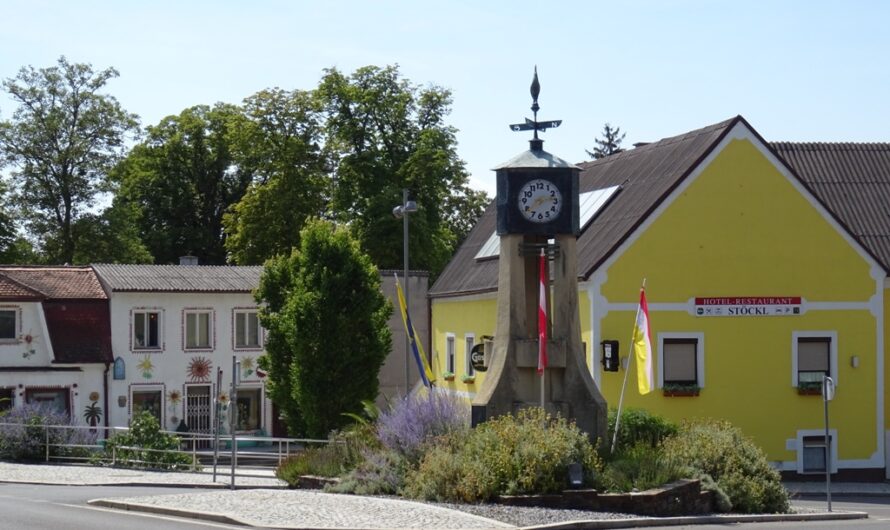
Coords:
535,125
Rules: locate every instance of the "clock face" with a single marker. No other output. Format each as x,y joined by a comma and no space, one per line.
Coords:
539,201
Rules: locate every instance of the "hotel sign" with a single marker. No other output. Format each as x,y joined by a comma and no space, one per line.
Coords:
748,306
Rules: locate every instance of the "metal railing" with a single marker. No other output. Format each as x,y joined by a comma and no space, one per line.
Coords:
77,444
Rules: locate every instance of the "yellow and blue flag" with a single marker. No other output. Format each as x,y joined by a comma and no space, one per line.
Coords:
426,374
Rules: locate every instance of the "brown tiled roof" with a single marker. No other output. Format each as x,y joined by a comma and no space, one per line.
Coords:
853,181
55,282
11,289
646,175
179,278
80,330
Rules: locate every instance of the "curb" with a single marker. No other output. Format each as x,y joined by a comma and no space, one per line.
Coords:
639,522
145,508
702,519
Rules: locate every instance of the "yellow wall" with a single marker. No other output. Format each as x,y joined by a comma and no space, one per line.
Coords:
741,229
460,317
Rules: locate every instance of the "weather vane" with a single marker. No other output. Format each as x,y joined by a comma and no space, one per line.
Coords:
535,125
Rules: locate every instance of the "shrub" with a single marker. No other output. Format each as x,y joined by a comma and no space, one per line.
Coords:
509,455
25,436
322,461
416,419
380,473
736,464
641,467
144,445
639,426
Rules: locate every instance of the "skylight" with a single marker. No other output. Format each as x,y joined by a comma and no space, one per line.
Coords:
589,204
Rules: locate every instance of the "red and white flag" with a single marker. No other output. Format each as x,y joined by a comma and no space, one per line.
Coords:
542,315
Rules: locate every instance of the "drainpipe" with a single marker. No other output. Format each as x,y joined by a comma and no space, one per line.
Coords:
105,394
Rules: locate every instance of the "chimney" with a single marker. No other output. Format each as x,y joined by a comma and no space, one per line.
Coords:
188,260
641,144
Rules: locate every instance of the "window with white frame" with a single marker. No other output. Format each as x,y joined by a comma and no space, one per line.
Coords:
146,330
469,342
198,329
247,329
249,404
681,359
814,355
449,353
147,400
812,451
9,324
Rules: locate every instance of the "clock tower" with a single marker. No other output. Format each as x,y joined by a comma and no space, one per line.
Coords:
537,213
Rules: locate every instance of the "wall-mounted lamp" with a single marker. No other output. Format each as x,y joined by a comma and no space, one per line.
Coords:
854,361
610,355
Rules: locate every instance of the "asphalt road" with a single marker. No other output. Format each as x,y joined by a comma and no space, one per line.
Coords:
878,509
43,507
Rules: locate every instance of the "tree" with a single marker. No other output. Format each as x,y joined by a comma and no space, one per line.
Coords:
62,139
277,139
181,180
313,345
610,144
387,134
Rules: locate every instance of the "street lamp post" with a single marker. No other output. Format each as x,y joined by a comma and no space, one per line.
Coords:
401,212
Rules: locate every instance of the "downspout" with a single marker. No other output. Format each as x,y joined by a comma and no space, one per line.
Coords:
105,394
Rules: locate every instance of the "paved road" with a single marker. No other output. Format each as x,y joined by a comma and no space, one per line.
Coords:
44,507
878,509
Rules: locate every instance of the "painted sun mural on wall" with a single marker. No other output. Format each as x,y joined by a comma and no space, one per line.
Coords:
199,370
146,366
247,366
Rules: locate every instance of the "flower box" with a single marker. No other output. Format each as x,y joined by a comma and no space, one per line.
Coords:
681,390
468,379
809,389
448,376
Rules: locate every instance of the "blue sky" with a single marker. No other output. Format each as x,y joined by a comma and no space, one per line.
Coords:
797,70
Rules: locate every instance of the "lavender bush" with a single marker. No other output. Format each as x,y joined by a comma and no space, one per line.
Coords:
23,435
416,419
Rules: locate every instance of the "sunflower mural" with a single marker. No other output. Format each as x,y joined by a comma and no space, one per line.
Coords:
199,370
248,365
146,366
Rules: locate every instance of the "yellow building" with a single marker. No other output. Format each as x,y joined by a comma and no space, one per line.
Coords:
765,265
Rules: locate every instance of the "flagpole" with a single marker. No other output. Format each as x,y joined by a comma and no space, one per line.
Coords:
630,356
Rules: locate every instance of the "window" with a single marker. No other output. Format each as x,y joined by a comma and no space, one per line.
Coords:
8,324
249,409
57,399
813,359
198,330
247,329
811,450
449,353
681,359
814,355
146,330
469,341
7,398
147,400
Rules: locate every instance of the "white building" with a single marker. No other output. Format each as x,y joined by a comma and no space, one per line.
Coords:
55,340
175,330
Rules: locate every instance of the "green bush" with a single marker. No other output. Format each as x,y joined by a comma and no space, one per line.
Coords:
380,473
322,461
639,426
509,455
144,445
641,467
736,464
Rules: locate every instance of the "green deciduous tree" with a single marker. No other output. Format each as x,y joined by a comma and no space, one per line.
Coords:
277,139
609,144
323,360
387,134
64,136
181,180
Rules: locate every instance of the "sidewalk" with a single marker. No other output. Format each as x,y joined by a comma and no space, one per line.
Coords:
261,501
839,489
